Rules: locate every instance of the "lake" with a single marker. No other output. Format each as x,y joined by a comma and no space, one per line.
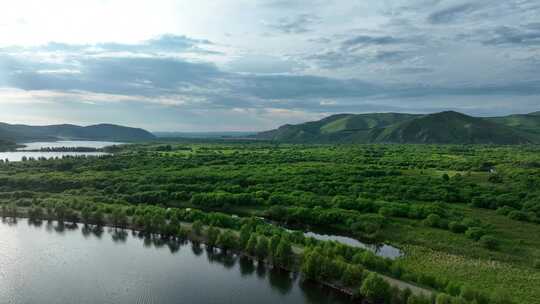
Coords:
23,152
51,263
67,144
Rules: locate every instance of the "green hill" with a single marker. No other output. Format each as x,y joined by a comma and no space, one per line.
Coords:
450,128
337,128
439,128
105,132
528,125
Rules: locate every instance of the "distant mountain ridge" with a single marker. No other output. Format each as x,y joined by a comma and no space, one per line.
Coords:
103,132
447,127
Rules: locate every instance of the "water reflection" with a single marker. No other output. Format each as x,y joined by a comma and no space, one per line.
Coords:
280,280
246,266
11,221
119,235
196,248
147,273
261,269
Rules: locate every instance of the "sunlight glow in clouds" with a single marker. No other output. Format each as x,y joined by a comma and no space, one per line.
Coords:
257,64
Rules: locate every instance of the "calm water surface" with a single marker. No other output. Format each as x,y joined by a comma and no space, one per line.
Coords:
383,250
51,263
23,152
67,144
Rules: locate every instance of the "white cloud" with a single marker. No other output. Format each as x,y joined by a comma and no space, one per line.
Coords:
259,63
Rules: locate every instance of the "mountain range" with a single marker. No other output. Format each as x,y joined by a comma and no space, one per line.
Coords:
102,132
447,127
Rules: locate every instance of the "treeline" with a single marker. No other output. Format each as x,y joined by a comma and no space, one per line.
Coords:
331,263
314,184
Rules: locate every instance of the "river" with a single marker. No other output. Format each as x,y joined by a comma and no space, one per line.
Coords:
51,263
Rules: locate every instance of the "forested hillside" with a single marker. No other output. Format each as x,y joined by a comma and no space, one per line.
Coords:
439,128
104,132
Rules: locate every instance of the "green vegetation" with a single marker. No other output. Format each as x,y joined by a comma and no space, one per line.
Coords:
442,128
22,133
466,217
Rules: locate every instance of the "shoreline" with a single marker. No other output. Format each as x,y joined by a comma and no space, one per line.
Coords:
193,237
201,239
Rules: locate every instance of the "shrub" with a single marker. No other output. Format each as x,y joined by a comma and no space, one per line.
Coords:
375,288
471,222
504,210
453,289
352,275
457,227
489,242
518,216
386,212
475,233
418,300
197,227
443,298
433,220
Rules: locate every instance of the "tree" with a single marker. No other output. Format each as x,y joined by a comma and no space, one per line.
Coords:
398,297
182,233
227,240
60,211
97,217
251,245
311,265
352,275
197,227
375,289
284,253
119,217
262,247
245,234
86,215
35,213
212,235
274,242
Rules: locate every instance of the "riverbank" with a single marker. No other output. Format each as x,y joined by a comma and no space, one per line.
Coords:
203,237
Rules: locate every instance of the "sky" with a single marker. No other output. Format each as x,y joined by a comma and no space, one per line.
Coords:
251,65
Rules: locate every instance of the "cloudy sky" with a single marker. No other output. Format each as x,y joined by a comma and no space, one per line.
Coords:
237,65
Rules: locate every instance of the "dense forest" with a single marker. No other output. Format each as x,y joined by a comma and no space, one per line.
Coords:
466,217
